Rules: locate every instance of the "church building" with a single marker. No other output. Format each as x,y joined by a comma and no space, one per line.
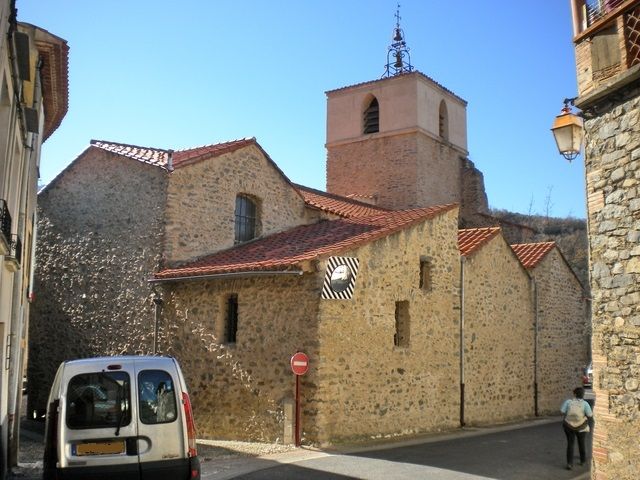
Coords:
214,256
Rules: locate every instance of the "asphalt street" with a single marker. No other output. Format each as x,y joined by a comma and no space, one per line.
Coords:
526,453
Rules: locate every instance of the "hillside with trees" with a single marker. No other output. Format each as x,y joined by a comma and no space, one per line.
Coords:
569,233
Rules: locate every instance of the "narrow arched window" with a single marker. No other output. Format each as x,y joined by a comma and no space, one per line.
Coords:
443,121
372,117
246,214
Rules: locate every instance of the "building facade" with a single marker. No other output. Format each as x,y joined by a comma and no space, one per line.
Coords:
33,102
607,46
385,353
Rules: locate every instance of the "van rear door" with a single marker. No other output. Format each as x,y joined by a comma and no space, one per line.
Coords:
98,430
161,429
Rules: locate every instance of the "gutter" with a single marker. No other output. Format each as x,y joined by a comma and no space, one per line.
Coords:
534,292
222,276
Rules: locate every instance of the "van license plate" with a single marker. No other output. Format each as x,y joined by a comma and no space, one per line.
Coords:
98,448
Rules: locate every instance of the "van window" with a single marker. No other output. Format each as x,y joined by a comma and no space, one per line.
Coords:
98,400
156,397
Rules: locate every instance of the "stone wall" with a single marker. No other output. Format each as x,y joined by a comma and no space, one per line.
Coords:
498,336
563,332
202,196
99,237
381,166
612,159
369,388
238,389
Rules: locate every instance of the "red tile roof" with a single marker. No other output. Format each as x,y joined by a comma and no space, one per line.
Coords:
471,239
336,204
192,155
531,254
286,250
152,156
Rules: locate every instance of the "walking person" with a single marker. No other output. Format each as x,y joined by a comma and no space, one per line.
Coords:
577,413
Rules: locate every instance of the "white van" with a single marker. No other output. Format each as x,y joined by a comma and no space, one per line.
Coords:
124,418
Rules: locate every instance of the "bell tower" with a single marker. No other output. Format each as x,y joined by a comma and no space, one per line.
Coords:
400,140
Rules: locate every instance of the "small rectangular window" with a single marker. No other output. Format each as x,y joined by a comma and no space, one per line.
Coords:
98,400
156,397
231,327
425,275
403,331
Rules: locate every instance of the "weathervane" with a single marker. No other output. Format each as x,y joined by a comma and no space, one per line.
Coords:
398,58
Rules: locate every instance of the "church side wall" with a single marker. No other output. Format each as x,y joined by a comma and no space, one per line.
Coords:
238,389
367,386
99,237
202,196
563,332
498,335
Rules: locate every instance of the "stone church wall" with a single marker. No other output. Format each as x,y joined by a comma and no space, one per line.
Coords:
99,239
238,389
563,335
367,386
202,196
499,336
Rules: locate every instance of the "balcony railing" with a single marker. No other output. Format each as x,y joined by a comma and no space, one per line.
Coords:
597,9
13,259
16,248
5,220
5,228
587,13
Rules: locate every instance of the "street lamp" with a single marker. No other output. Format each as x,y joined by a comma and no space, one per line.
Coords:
568,131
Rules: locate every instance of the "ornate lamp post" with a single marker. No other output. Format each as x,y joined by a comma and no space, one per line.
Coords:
568,131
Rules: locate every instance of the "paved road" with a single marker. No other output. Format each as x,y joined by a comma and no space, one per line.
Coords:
534,452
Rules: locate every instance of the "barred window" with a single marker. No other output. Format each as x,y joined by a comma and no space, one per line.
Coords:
245,219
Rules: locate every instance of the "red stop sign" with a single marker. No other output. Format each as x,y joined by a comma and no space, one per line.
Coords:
299,363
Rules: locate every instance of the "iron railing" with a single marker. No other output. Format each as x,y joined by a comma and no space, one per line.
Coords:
597,9
5,220
16,248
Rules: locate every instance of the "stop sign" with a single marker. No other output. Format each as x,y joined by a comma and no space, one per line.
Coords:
299,363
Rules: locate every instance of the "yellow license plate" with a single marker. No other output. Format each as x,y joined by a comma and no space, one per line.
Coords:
99,448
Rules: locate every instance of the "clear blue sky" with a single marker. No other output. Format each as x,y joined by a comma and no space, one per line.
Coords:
182,74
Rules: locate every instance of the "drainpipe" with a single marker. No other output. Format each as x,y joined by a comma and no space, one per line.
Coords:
157,301
534,294
462,373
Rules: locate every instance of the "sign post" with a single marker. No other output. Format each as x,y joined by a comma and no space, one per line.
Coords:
299,366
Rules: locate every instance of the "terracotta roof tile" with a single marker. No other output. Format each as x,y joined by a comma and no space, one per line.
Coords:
471,239
191,155
286,250
336,204
152,156
531,254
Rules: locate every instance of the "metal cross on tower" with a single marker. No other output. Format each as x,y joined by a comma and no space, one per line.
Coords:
398,58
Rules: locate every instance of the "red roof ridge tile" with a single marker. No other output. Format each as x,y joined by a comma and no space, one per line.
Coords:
152,156
531,254
337,204
192,155
471,240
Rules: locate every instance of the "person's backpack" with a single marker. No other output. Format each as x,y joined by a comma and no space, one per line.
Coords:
575,417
